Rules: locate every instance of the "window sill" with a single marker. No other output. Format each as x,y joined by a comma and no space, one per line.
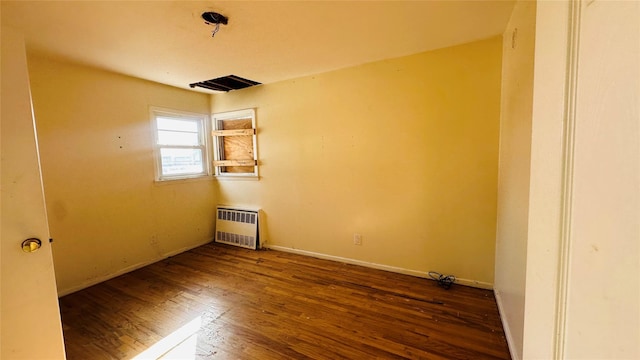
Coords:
182,180
237,178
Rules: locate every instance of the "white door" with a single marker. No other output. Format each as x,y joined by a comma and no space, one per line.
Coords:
29,315
603,289
583,251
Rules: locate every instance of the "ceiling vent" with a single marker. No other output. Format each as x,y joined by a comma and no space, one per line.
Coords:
225,83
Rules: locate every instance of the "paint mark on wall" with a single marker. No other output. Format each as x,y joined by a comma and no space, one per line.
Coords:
59,211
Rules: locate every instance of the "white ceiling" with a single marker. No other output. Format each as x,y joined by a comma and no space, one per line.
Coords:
265,41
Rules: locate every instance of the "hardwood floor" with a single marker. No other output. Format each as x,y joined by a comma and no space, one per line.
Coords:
223,302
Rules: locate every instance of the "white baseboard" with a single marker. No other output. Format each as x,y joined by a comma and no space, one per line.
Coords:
505,327
131,268
422,274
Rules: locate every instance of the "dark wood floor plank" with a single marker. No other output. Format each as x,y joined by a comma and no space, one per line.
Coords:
275,305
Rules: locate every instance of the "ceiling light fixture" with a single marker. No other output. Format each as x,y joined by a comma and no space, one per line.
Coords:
215,19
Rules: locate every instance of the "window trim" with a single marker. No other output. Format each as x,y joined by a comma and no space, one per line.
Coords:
217,144
203,130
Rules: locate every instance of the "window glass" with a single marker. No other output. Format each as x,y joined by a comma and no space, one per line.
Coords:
181,147
181,161
177,138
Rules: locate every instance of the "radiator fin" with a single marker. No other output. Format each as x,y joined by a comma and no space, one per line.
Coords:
236,239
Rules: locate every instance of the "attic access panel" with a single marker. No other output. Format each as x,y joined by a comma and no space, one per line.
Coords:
225,83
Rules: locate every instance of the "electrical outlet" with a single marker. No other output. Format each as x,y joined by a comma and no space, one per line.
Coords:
357,239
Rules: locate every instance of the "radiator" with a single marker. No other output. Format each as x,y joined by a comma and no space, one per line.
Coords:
238,226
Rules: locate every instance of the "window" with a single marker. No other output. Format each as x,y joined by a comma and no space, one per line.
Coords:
181,144
234,139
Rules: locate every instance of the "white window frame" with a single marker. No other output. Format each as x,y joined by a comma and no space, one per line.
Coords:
216,118
202,121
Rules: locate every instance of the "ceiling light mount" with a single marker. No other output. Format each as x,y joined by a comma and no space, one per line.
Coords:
215,19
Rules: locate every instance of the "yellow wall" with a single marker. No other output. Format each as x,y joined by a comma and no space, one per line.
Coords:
403,151
106,214
515,161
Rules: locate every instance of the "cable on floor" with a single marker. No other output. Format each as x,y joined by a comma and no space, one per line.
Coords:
443,280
